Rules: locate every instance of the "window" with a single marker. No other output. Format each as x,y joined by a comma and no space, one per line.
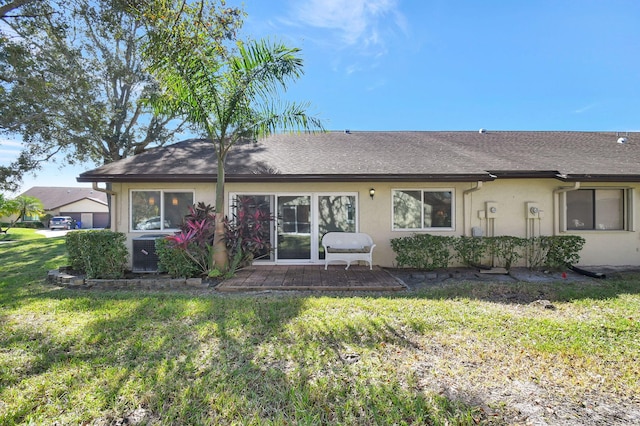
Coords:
596,209
159,210
416,209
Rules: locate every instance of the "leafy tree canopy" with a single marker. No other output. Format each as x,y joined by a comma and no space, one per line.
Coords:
73,83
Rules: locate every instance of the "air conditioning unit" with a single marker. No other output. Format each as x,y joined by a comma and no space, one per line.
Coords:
144,256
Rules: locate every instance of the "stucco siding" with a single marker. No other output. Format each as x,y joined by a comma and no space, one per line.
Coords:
374,216
84,206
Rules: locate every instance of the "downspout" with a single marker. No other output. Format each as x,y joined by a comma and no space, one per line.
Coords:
114,210
464,206
556,201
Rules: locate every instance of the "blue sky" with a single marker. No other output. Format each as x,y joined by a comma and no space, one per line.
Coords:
453,64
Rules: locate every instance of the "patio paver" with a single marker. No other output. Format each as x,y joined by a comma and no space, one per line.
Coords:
311,277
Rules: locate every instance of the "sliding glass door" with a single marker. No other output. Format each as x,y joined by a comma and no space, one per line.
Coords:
336,213
294,227
300,222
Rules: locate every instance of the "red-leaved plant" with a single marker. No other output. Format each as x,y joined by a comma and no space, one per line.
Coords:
196,235
247,235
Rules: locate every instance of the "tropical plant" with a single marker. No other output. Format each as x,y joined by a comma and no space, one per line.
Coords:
248,232
227,94
195,239
20,207
188,252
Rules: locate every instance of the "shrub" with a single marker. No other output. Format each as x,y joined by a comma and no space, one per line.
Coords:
471,250
554,252
506,250
74,243
175,261
31,224
423,251
564,250
99,254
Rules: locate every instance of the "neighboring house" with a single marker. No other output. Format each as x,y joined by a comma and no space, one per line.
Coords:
394,184
85,205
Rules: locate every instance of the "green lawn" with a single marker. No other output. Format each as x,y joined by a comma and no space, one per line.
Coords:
436,357
20,234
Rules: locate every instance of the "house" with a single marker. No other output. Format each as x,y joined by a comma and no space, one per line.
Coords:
85,205
394,184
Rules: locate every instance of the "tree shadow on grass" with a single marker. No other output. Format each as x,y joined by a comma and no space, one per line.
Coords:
99,356
208,360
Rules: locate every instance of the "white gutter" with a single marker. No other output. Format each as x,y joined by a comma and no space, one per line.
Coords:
464,206
556,202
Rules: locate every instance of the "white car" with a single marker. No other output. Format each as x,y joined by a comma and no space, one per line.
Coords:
152,223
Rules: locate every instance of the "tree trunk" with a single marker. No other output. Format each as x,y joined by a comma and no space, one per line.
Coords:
220,257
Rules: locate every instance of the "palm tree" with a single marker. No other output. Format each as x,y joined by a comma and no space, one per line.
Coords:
21,206
229,96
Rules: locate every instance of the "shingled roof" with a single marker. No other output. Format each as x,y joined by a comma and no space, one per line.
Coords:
380,156
53,197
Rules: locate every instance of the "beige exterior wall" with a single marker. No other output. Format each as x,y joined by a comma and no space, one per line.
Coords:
375,215
83,206
7,219
121,204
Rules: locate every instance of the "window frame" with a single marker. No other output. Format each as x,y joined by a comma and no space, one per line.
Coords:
422,190
162,212
627,210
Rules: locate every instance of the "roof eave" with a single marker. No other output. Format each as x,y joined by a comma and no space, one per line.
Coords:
600,178
84,178
257,178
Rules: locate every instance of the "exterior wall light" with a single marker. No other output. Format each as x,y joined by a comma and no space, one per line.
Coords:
372,192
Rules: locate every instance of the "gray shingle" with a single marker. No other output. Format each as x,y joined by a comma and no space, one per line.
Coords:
382,155
53,197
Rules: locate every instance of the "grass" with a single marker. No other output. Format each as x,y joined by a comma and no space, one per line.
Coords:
20,234
442,356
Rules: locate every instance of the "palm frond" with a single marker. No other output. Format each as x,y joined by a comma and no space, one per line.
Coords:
279,117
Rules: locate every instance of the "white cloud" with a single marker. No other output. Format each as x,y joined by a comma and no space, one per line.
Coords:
363,23
585,108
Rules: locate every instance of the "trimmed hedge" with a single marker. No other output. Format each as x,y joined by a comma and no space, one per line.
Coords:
428,252
32,224
423,251
99,254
